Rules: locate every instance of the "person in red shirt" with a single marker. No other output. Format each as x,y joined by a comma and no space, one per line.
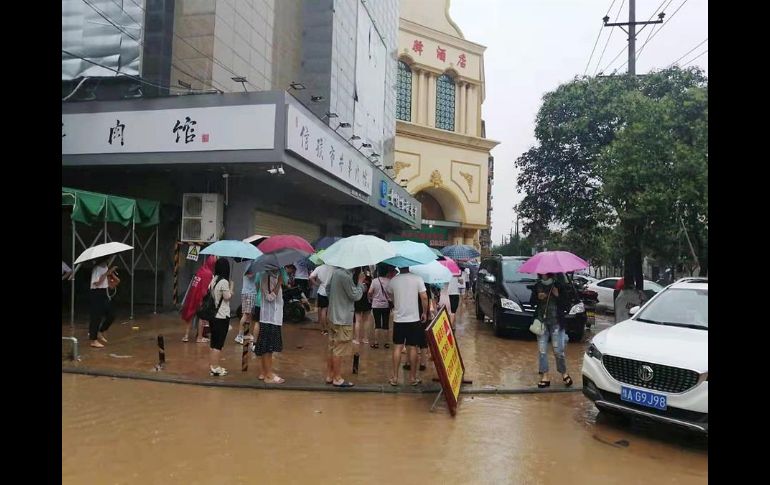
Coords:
618,286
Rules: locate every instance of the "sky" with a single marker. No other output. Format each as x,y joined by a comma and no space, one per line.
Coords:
533,46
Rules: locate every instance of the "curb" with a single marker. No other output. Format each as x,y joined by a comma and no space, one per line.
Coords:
376,388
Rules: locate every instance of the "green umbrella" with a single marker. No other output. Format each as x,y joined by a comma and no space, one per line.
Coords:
315,258
359,250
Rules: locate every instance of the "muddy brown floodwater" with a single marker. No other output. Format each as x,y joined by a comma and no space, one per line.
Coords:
118,431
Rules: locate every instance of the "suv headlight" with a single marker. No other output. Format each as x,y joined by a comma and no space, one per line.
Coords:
510,305
578,308
592,351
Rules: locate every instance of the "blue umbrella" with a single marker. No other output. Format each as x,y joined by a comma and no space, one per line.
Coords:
433,273
460,251
325,242
409,253
233,249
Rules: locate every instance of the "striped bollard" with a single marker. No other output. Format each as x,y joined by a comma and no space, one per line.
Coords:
245,355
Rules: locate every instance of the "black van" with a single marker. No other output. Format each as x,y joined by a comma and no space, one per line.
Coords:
503,294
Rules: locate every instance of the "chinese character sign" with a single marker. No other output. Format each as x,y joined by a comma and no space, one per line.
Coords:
186,128
461,60
446,357
441,54
116,133
417,47
317,143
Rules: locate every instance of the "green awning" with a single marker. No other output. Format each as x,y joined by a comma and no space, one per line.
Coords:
94,208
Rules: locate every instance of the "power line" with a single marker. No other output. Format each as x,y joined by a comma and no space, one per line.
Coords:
688,52
622,50
608,37
597,39
652,36
203,54
652,31
693,59
141,43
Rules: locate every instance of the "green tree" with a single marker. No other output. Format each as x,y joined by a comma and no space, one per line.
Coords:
624,154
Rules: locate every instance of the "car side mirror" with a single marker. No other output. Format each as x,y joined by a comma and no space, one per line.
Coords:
489,278
634,310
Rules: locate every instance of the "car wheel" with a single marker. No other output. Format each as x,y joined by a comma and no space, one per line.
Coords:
496,324
479,313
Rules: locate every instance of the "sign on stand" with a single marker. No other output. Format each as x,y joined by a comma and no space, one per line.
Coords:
446,357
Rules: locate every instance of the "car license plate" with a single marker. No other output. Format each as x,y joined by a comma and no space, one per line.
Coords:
644,398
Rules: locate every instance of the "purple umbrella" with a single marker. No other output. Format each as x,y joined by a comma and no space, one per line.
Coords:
553,262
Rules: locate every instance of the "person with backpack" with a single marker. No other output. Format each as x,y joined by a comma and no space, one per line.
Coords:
220,291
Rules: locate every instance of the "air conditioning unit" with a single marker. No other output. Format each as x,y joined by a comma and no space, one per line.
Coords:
202,217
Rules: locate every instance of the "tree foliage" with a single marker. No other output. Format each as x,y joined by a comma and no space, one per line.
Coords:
621,154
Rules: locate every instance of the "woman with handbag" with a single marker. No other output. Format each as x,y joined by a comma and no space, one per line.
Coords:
362,308
551,297
381,306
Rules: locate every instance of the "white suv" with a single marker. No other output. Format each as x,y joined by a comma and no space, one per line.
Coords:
655,365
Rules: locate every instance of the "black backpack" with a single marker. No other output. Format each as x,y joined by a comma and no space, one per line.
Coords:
209,309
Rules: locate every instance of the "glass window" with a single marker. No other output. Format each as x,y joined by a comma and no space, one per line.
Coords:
511,271
678,307
445,103
608,283
404,92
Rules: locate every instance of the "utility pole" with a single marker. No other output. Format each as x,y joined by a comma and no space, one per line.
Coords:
631,24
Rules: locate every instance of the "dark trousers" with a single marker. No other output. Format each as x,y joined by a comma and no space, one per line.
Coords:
102,315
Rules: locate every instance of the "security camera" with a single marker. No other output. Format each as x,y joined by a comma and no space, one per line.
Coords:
276,170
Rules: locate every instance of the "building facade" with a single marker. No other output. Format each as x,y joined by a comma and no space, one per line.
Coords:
281,109
442,155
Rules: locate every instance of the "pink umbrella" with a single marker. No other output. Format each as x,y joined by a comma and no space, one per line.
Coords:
450,264
285,242
553,262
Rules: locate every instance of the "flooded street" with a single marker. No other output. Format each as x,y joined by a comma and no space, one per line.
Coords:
120,431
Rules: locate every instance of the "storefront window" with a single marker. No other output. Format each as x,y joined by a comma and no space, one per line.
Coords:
404,90
445,103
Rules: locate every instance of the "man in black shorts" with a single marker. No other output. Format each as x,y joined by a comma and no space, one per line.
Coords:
405,290
320,277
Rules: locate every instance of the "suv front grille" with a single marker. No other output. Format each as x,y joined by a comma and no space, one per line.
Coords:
664,378
528,307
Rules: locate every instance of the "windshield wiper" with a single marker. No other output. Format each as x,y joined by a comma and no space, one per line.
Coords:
672,324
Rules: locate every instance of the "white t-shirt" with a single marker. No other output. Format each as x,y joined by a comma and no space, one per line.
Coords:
404,290
97,273
454,286
218,292
323,273
467,275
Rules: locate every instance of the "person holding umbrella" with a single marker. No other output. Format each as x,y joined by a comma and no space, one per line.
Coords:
221,289
550,295
192,300
269,338
102,314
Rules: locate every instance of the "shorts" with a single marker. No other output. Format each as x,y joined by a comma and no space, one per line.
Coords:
409,333
362,305
323,301
454,302
468,285
219,327
381,318
340,340
269,339
248,300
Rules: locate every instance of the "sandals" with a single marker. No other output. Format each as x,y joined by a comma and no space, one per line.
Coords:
275,380
416,382
185,339
344,384
202,340
393,381
543,384
567,381
375,346
329,381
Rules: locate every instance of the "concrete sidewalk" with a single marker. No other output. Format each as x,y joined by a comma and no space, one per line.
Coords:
495,365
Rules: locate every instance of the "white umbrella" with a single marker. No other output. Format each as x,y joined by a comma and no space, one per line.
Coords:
102,250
